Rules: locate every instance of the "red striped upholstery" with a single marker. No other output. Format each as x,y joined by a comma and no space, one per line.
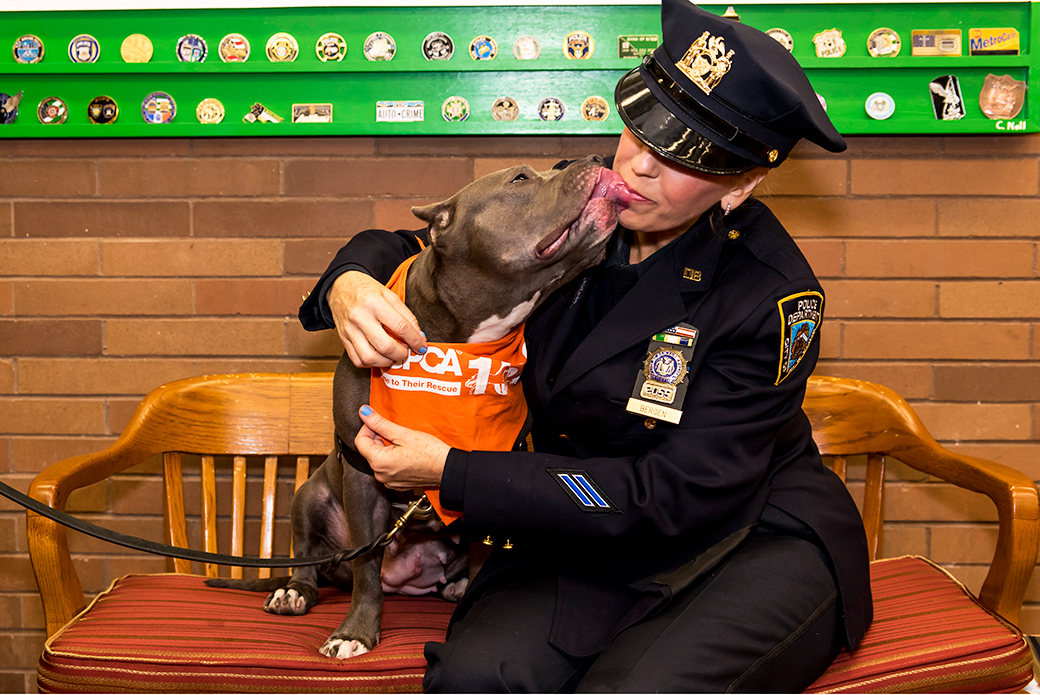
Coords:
929,635
172,633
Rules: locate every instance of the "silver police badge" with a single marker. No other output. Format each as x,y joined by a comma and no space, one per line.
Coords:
800,318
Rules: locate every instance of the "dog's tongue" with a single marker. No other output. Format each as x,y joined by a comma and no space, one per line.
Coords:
611,186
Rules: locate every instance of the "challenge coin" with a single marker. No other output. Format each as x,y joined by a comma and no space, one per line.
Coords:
505,109
483,48
191,48
102,110
947,103
282,48
595,109
52,111
551,109
84,49
158,107
9,107
880,106
829,44
233,48
136,48
312,113
578,45
28,49
455,109
883,43
526,48
379,46
783,37
1002,97
330,47
209,111
438,46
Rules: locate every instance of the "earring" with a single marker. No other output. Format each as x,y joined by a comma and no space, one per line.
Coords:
729,206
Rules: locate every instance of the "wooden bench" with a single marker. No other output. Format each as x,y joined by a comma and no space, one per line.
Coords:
170,632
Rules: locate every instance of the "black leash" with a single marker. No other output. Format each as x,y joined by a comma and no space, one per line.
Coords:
135,543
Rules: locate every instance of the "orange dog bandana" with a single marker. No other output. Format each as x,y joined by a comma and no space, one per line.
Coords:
466,394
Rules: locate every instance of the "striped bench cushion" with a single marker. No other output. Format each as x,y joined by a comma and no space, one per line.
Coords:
171,633
929,635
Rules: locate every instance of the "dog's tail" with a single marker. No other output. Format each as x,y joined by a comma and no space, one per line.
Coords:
269,584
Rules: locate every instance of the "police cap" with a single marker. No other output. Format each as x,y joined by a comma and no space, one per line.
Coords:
721,97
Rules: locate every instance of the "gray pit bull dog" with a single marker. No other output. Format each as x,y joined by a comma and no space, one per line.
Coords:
497,248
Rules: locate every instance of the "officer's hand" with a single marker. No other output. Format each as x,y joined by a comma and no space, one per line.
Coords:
401,459
374,325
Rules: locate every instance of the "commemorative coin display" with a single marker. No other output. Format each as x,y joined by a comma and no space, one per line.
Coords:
880,106
9,107
379,46
438,46
233,48
783,37
102,110
595,109
551,109
282,48
136,48
84,49
52,111
883,43
526,48
505,109
28,49
209,111
483,48
330,47
191,48
578,45
455,109
158,108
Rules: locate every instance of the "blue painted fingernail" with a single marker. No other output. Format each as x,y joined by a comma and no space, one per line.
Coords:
366,411
422,333
422,350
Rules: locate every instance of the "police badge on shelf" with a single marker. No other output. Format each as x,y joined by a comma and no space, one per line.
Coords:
662,384
800,318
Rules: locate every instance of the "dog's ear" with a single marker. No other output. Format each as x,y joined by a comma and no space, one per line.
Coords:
438,216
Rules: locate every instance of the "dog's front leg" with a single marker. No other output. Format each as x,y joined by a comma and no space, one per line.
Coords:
368,515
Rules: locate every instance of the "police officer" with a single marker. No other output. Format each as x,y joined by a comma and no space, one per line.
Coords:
674,529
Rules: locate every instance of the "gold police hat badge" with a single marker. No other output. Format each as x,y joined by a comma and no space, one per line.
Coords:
706,61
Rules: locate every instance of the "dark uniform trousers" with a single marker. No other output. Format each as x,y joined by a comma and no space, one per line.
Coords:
775,595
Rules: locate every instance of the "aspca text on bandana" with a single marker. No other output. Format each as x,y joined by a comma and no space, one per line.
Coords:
477,376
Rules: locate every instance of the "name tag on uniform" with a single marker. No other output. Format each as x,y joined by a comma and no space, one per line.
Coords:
662,384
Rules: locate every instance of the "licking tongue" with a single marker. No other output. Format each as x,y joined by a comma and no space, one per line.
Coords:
611,186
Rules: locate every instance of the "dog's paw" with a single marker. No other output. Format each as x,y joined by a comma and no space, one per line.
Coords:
338,648
286,602
454,591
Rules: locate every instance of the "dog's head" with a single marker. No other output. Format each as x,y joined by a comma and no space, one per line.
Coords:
508,240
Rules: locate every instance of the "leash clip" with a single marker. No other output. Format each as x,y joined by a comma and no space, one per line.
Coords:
420,508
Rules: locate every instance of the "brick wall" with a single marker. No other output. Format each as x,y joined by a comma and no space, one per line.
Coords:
127,264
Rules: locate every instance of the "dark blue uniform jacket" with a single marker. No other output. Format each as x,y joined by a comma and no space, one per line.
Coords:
679,495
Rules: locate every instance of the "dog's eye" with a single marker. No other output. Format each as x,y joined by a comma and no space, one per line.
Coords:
519,177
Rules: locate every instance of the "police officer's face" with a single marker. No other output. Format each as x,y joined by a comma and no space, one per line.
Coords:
667,197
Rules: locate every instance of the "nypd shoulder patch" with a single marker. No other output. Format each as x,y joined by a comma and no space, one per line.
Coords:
583,490
800,318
